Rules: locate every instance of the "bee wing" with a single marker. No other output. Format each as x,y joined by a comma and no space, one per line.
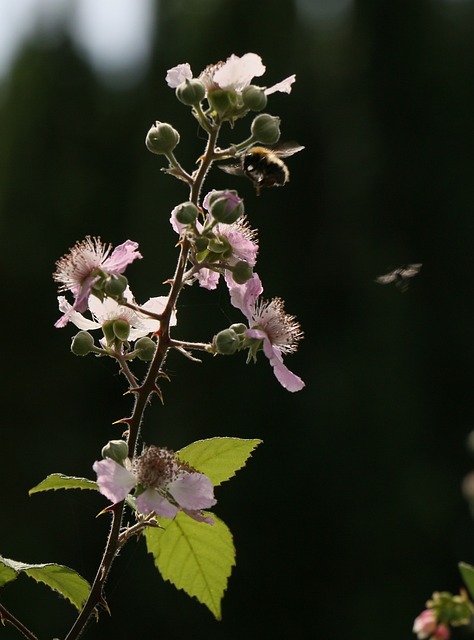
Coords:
286,149
410,270
233,169
387,278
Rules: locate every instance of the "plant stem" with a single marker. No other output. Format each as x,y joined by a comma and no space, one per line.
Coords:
144,391
6,616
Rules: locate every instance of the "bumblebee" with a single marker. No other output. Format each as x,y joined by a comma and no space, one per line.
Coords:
263,166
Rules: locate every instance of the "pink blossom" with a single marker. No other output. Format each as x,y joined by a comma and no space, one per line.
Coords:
166,484
268,322
426,626
85,263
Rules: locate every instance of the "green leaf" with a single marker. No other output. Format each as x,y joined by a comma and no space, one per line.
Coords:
58,577
60,481
467,573
194,556
218,458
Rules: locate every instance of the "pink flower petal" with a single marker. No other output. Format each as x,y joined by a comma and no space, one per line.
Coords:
150,500
244,296
287,379
121,257
193,491
208,279
115,482
199,516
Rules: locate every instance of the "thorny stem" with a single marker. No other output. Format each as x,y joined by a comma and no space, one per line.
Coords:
144,392
6,616
197,346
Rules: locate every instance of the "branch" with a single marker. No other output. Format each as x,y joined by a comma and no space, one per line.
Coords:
6,616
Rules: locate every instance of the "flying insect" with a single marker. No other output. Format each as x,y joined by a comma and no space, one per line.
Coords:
263,166
400,276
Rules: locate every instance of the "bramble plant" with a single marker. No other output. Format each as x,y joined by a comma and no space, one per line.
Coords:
167,495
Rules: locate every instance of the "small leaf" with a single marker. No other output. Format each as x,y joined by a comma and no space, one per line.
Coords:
56,576
467,573
218,458
194,556
60,481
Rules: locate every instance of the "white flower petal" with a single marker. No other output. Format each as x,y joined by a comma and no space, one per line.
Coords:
75,317
284,86
177,75
237,73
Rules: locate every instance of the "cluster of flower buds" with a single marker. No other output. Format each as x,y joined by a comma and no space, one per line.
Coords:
443,612
226,86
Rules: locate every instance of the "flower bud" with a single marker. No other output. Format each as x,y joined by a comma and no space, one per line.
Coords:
145,348
254,98
226,342
82,343
238,327
200,243
266,128
116,450
222,101
121,329
241,272
108,331
190,92
226,206
220,245
161,138
186,213
115,285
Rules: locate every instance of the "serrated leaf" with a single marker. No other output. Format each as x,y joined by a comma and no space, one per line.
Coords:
218,458
195,557
467,573
59,481
62,579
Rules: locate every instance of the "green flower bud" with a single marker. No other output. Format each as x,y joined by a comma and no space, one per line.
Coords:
222,101
220,245
161,138
186,213
226,206
116,450
226,342
254,98
190,92
121,329
201,243
82,343
108,331
266,128
241,272
238,327
114,286
145,348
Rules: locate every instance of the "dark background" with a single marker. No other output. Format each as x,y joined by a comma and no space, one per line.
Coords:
350,514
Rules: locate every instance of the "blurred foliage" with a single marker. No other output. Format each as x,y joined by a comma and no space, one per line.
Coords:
350,514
